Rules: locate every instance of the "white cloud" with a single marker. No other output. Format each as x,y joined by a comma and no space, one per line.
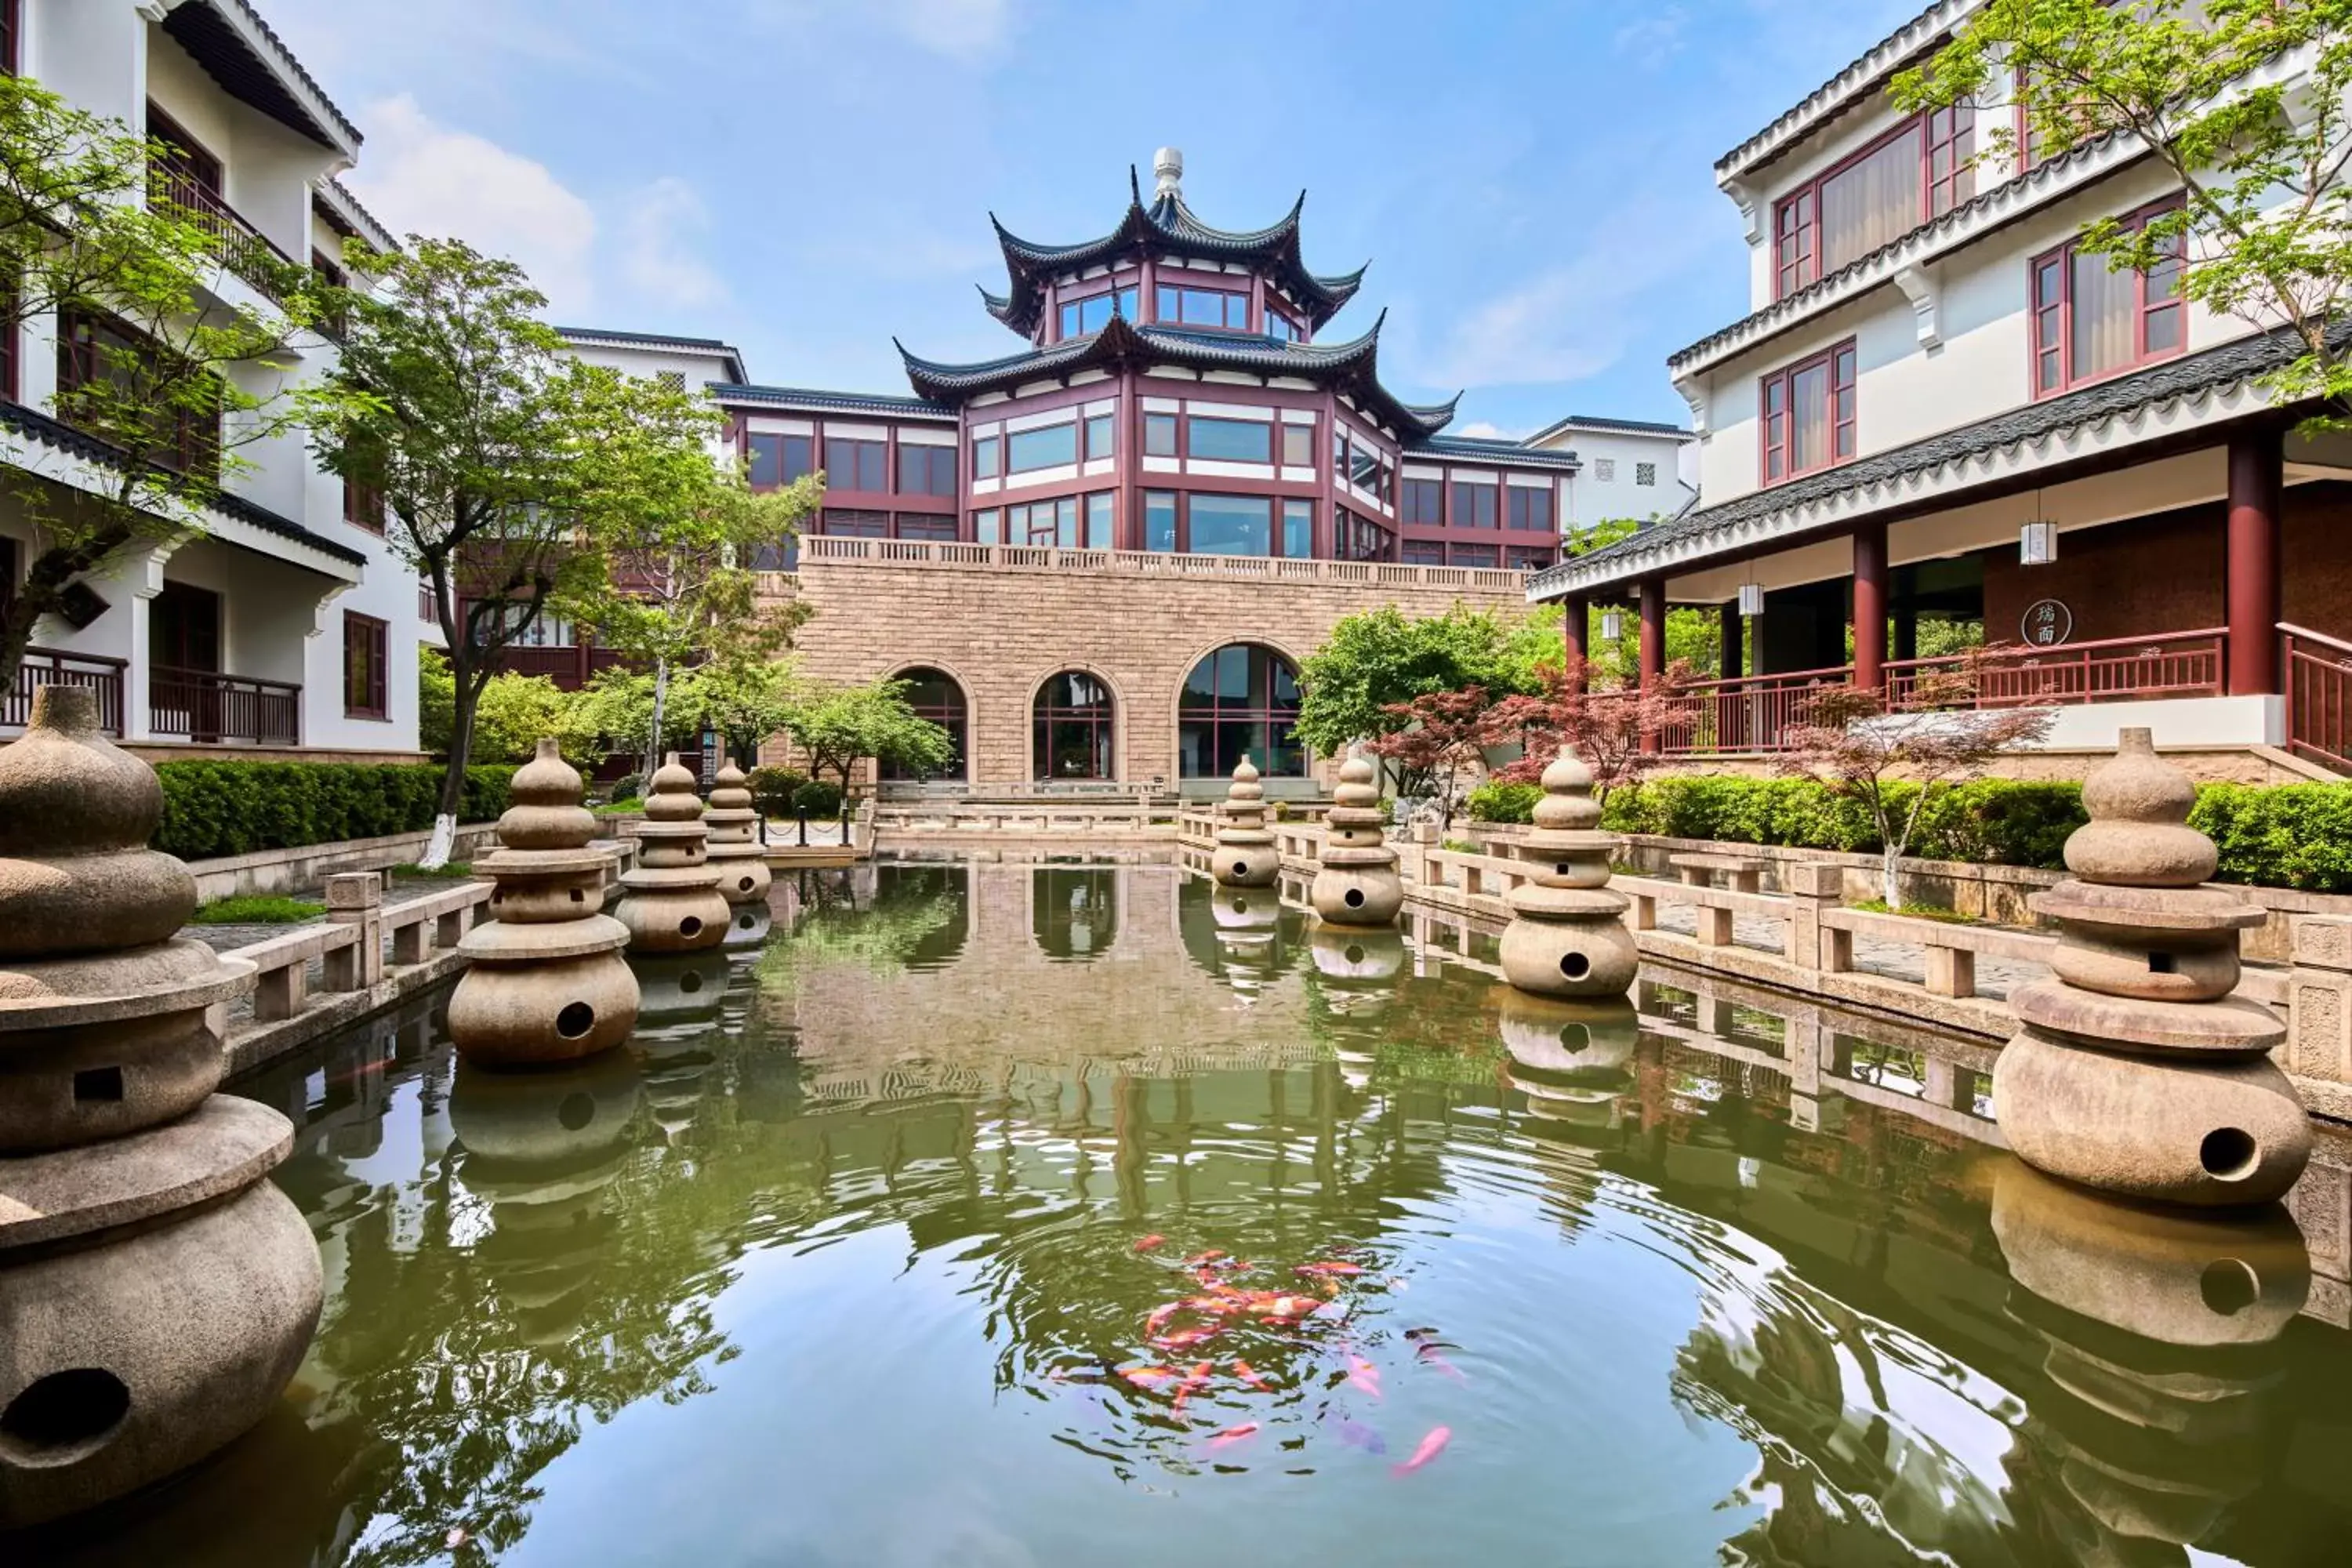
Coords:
1653,37
1487,430
656,259
972,31
422,178
1578,320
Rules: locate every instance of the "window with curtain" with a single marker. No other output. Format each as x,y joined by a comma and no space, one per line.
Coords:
1871,201
2091,321
779,460
1806,414
1425,502
853,464
1918,170
927,470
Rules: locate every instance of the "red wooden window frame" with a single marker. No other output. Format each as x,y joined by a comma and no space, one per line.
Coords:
926,470
11,30
367,653
2050,322
1776,395
851,475
195,443
1422,503
1796,229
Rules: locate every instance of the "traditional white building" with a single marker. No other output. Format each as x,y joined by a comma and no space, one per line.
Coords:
1633,468
1938,407
288,627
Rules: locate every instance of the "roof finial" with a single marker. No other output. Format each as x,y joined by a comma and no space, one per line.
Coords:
1168,173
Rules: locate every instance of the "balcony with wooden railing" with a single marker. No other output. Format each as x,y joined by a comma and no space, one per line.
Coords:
825,549
2318,673
570,666
209,709
242,249
54,667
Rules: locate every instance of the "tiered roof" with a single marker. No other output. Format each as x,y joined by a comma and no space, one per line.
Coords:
1167,227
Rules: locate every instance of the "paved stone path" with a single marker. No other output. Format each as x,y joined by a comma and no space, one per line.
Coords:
1996,977
224,937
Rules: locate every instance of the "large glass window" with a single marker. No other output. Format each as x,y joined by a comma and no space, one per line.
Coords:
1355,538
1530,508
1280,328
986,452
1100,438
1203,308
934,695
986,525
1229,525
1099,512
1363,468
1242,699
844,522
1232,440
927,525
1160,519
1425,502
1918,171
1299,446
927,470
780,459
2091,321
1299,529
1081,317
1072,725
1473,504
1053,447
852,465
1472,554
1159,434
1808,415
1046,523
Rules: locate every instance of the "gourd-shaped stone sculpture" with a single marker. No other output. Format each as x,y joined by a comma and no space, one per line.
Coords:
546,981
156,1291
669,899
2136,1071
733,846
1356,880
1567,935
1245,856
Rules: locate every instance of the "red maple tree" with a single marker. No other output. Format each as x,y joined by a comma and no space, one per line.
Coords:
1606,724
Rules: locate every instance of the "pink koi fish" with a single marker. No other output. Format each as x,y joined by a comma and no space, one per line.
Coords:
1232,1435
1430,1446
1433,1358
1363,1374
1193,1379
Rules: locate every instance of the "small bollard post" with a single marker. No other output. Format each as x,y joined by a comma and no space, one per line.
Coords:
1812,886
356,900
2320,1010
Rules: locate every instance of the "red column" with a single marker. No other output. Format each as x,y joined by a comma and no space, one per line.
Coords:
2254,606
1653,647
1576,633
1870,596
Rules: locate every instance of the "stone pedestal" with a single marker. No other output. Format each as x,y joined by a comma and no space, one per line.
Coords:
1245,856
733,846
2136,1071
545,982
1567,935
156,1291
669,900
1356,880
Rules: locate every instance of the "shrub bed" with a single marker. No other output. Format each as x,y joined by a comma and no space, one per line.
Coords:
2271,835
216,808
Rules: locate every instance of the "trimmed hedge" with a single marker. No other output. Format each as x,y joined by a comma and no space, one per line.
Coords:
2273,835
212,809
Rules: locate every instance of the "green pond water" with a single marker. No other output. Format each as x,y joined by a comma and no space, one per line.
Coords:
849,1258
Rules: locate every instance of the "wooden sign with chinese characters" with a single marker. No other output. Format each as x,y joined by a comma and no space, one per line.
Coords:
2046,623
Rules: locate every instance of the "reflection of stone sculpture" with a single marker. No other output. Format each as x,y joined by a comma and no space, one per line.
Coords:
545,982
1245,856
156,1291
1573,1060
1356,882
2162,1328
736,851
682,988
2136,1071
1567,936
669,900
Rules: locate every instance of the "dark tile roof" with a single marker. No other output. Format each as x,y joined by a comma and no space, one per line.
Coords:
39,427
2227,365
846,402
1167,225
1850,77
1792,307
1604,422
204,29
335,192
664,340
1352,366
1507,453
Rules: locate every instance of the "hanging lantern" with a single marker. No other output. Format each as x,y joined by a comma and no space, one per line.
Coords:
1751,598
1612,624
2037,544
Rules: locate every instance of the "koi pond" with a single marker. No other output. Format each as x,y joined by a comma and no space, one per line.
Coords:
1061,1213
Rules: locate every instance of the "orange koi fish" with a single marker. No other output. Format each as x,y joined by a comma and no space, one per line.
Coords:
1147,1377
1232,1435
1340,1270
1201,1259
1158,1319
1430,1446
1242,1370
1184,1338
1193,1379
1145,1244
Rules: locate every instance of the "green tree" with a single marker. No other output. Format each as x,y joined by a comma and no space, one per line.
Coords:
673,586
496,452
743,701
160,363
1375,661
2244,102
839,727
1693,636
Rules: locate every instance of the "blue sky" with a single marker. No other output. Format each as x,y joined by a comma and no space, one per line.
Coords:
1532,183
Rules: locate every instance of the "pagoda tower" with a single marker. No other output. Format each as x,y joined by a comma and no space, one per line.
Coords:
1567,935
1245,856
669,899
